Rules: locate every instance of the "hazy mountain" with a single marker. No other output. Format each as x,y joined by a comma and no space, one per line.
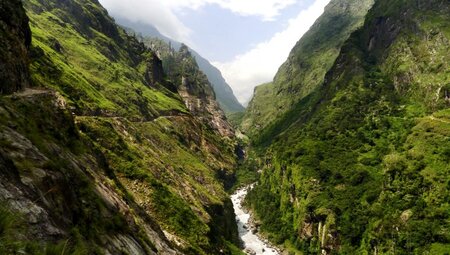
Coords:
224,93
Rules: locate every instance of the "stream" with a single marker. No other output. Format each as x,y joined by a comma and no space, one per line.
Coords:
253,244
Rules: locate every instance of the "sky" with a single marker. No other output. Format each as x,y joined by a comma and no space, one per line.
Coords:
247,40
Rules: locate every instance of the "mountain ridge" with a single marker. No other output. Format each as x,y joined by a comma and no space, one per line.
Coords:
224,93
307,63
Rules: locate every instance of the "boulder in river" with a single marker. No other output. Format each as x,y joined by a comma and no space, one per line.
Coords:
250,251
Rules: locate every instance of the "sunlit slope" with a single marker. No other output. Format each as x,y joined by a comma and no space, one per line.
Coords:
363,164
307,64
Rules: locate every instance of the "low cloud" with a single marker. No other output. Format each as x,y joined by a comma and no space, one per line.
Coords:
151,12
162,14
267,9
260,64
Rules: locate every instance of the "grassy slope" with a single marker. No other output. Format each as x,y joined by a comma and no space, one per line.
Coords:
165,161
306,65
367,157
90,67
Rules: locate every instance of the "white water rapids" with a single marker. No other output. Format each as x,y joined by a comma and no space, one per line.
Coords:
253,244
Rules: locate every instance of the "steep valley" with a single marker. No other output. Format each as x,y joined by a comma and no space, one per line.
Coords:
117,143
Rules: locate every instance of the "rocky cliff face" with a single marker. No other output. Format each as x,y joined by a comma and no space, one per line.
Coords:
199,96
193,85
15,38
57,190
100,155
356,168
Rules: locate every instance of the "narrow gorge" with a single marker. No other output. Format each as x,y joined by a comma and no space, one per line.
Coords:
116,138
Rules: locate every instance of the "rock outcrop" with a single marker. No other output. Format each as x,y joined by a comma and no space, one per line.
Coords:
15,39
192,84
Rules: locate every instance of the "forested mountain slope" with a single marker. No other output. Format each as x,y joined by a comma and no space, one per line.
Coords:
307,64
362,166
99,153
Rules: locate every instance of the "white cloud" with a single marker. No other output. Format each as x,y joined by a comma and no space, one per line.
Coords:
267,9
260,64
153,12
162,13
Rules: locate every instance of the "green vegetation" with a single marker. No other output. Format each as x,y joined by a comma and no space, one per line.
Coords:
153,144
92,69
235,119
306,65
223,92
247,171
360,164
102,155
178,217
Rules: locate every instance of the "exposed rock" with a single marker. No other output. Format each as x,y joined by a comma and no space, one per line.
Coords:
125,243
193,86
306,231
154,74
15,38
203,105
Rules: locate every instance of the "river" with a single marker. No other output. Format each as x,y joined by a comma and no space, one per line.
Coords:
253,244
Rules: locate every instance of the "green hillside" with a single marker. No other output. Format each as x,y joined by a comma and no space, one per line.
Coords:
307,64
100,154
361,164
